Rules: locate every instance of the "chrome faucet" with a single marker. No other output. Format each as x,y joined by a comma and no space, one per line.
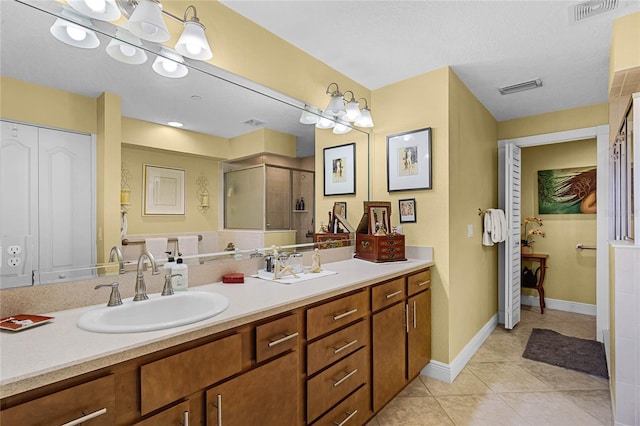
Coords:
141,287
116,253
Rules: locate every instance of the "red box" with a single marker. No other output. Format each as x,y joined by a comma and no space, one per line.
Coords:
233,278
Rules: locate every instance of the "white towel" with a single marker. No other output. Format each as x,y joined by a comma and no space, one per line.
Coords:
157,247
498,226
188,245
486,234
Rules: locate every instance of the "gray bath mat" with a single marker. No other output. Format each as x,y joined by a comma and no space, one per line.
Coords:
577,354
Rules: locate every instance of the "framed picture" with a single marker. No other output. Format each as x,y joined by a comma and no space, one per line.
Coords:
340,169
340,208
409,160
379,216
407,209
163,191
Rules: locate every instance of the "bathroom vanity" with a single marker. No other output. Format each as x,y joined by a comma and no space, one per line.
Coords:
333,350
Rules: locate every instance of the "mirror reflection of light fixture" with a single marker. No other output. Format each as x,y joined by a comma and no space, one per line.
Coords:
147,23
336,104
325,122
310,114
124,48
170,64
104,10
193,42
67,31
203,193
341,127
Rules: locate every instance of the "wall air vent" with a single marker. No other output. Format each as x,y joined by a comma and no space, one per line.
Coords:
254,122
588,9
533,84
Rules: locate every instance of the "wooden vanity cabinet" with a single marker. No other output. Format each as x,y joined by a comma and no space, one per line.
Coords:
93,401
401,333
266,396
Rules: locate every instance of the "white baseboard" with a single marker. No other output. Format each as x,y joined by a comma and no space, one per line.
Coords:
448,372
561,305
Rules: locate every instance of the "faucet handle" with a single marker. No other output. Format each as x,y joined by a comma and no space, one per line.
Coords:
114,297
168,287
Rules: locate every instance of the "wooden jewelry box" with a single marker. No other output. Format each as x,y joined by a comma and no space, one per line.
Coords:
374,241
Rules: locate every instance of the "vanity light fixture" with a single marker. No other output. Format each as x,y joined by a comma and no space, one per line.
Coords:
146,21
341,127
326,122
170,64
352,108
125,48
73,34
365,119
193,42
310,114
336,104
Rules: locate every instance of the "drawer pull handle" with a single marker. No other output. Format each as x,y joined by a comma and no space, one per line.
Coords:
424,283
286,337
406,317
339,382
415,315
218,406
345,314
395,293
185,418
349,417
364,244
86,417
345,346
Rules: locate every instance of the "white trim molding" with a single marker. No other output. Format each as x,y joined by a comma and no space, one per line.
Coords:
448,372
560,305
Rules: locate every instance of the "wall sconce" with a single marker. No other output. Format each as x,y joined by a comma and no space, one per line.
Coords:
125,198
203,193
339,112
145,21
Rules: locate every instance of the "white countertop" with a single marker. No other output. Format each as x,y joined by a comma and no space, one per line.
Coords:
59,350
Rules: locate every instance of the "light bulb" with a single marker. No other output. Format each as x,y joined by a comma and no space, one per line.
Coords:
98,6
149,29
194,49
76,33
169,65
126,50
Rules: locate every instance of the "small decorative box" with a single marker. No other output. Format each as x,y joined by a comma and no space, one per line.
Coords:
235,278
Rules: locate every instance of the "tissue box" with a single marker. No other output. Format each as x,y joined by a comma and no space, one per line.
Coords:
233,278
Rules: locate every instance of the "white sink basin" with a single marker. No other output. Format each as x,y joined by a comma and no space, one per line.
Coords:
157,313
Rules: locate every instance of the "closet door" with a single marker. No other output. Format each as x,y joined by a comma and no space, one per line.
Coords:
18,203
66,219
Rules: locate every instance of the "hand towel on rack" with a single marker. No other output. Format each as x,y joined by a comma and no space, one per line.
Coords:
498,225
486,233
157,247
188,246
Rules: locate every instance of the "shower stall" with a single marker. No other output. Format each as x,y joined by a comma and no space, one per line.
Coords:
270,198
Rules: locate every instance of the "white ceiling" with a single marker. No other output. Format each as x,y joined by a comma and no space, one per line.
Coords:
488,44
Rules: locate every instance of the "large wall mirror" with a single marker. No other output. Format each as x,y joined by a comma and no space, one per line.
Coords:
49,87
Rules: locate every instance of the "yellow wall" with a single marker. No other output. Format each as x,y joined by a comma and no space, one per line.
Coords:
557,121
193,221
473,184
262,141
571,275
625,45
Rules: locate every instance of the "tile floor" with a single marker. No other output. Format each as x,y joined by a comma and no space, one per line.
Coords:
499,387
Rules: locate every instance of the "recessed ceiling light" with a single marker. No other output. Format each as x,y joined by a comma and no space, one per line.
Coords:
175,124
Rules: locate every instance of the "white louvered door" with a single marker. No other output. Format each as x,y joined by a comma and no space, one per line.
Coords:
509,252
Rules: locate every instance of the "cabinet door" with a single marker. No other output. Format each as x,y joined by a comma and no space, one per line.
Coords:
267,395
389,353
419,337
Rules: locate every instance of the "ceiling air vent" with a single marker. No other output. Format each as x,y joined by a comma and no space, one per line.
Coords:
533,84
254,122
588,9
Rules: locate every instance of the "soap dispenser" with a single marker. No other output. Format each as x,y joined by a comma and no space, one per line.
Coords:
180,272
170,263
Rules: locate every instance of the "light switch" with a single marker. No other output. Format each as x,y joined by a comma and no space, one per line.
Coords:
470,230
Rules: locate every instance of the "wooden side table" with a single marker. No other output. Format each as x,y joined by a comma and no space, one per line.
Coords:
541,258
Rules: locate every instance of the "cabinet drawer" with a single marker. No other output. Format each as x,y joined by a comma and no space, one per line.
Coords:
329,316
352,411
169,379
418,282
336,345
91,398
276,337
336,382
387,293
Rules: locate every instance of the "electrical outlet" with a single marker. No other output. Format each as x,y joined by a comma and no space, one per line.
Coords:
14,250
13,261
